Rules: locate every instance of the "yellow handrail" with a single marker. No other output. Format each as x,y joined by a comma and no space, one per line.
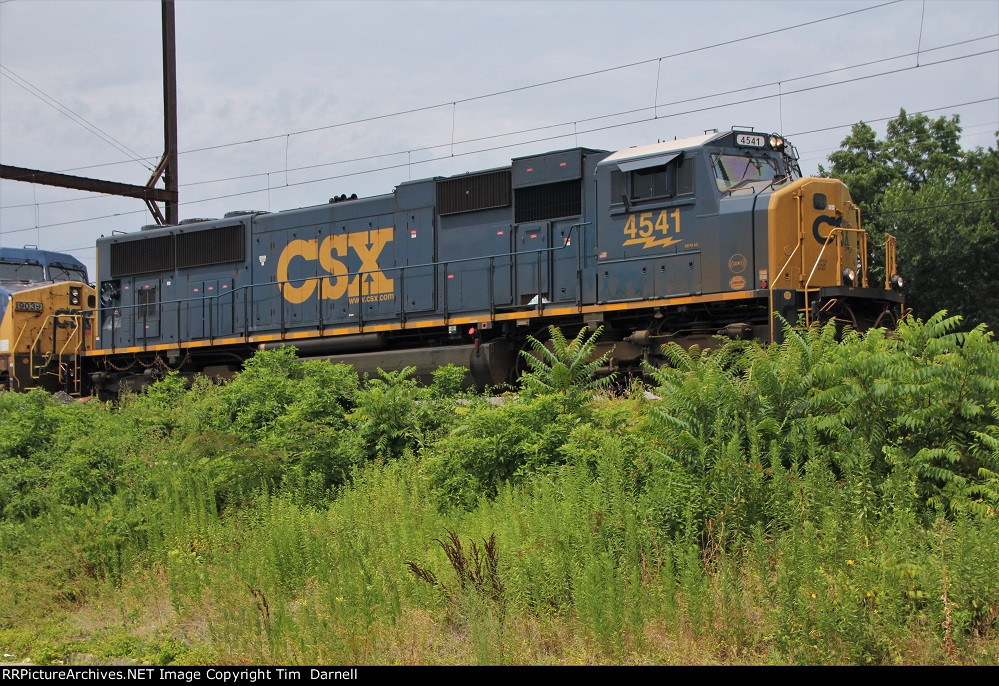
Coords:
771,287
77,331
891,266
861,246
41,330
23,329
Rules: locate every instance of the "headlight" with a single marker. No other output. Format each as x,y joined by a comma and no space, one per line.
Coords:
849,277
897,282
74,296
776,142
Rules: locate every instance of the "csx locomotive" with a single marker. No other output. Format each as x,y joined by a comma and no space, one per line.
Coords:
677,241
46,310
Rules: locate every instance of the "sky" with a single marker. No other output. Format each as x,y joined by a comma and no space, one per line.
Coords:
286,104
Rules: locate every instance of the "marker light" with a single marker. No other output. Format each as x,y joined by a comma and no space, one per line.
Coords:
897,282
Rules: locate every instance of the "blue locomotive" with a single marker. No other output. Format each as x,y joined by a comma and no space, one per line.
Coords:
678,241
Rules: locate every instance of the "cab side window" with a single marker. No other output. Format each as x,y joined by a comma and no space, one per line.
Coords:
654,182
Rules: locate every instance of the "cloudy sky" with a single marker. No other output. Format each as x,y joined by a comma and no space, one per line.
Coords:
284,104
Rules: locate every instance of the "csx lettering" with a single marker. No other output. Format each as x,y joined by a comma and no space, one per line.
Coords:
368,280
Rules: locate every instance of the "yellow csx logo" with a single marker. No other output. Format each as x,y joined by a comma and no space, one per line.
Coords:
367,281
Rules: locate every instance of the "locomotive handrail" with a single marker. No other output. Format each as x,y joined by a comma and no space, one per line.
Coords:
76,357
770,290
213,302
34,344
891,265
24,328
862,249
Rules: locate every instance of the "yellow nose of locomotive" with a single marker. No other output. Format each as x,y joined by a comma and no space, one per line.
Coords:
815,237
817,263
43,330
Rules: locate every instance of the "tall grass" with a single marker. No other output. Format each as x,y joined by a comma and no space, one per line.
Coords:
780,504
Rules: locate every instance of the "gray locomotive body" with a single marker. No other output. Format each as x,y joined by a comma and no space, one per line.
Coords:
672,241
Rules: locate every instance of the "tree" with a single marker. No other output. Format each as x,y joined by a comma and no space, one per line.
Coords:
919,185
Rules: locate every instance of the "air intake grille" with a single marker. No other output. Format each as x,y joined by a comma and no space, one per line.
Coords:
553,200
474,192
214,246
142,256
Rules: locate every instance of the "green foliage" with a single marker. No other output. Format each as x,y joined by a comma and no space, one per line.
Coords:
395,415
813,502
448,381
385,414
567,370
291,408
945,251
496,444
27,430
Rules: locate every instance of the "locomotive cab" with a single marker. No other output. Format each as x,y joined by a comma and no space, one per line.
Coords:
726,229
45,320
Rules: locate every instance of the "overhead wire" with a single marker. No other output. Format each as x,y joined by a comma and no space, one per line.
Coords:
350,174
66,111
932,207
540,84
654,108
504,146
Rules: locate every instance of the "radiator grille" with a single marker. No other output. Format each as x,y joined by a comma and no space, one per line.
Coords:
550,201
142,256
473,192
214,246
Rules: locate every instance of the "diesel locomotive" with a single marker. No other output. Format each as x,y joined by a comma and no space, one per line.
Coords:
683,240
46,320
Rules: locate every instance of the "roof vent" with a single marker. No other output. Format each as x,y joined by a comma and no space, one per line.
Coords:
237,213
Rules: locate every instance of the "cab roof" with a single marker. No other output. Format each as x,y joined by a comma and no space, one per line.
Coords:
659,149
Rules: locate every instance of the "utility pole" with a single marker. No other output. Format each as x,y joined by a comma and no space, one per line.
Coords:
167,168
170,111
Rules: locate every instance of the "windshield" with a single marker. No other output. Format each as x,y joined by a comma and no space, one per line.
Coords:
59,273
21,272
738,170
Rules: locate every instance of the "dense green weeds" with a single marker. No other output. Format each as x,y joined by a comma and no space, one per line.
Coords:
812,502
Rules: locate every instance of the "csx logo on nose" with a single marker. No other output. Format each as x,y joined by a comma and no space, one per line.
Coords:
369,279
825,219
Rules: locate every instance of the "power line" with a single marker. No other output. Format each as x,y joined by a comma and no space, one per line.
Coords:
69,113
518,143
504,146
310,181
880,119
551,81
453,103
654,108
